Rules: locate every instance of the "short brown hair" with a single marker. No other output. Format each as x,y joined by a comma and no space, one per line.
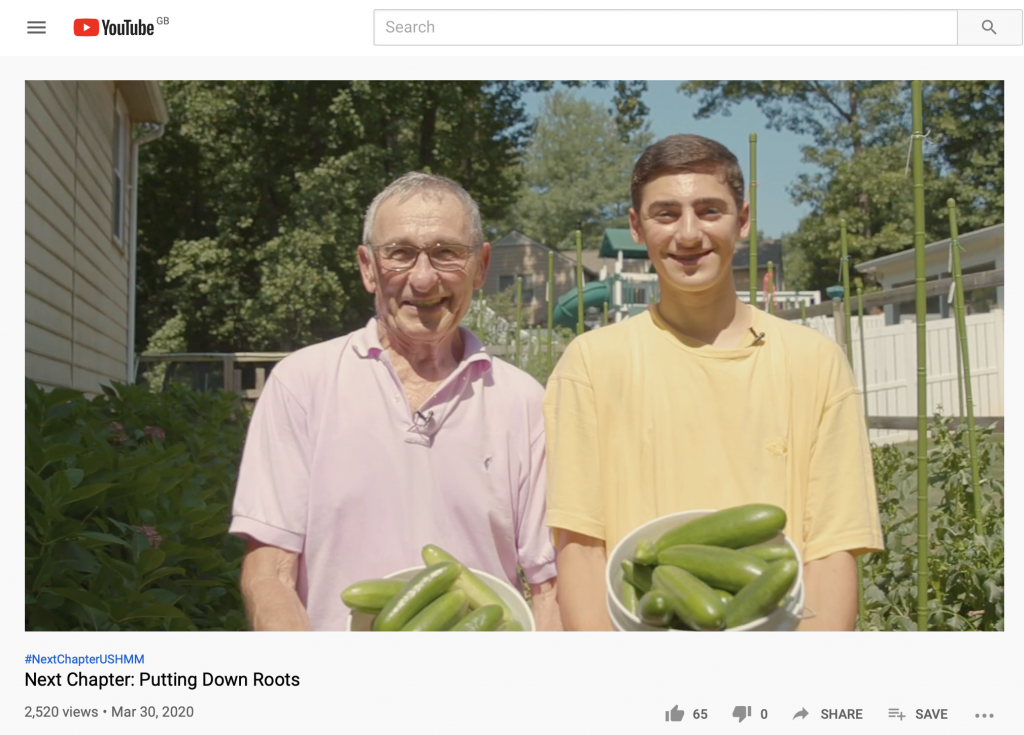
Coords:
687,154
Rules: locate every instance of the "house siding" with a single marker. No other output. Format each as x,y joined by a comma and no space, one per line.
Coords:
76,273
513,260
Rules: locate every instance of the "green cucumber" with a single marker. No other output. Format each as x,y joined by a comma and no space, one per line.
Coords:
477,591
775,552
762,595
724,596
441,614
371,595
637,575
416,594
646,553
693,602
733,528
512,626
630,597
721,568
656,609
482,619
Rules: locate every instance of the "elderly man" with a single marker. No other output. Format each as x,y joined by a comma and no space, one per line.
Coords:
364,448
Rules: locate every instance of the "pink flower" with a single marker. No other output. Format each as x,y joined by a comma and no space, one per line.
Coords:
119,436
156,432
155,539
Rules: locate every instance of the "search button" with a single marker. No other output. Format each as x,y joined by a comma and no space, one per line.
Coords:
990,27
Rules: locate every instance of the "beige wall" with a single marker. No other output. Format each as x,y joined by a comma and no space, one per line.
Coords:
513,260
76,273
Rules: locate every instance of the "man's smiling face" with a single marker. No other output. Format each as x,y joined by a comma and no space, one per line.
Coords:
422,303
690,223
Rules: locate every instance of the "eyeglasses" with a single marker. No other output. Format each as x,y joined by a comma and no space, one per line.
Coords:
397,258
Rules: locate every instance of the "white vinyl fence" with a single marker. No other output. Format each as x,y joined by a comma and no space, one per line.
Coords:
891,360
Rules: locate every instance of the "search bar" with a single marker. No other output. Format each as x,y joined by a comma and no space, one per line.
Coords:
695,27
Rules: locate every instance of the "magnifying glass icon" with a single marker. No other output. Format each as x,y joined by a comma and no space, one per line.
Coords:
986,25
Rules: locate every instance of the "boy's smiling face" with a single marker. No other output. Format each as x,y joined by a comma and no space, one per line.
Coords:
690,223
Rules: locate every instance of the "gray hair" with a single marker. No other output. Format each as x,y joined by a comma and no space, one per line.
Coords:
426,185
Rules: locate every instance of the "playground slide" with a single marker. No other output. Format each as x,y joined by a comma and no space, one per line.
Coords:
595,293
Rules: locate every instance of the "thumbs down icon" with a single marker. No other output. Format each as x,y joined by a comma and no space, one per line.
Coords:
741,713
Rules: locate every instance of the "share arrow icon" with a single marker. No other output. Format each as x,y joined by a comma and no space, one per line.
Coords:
802,714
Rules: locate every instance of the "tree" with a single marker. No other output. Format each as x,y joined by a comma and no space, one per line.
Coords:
252,203
576,172
861,134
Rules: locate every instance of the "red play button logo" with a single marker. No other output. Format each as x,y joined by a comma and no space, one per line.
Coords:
87,27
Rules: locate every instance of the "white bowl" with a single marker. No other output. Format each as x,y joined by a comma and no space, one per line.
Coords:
521,613
786,617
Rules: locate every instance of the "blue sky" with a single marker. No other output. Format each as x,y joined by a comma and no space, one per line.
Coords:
778,154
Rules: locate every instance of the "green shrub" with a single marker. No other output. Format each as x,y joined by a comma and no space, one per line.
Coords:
965,568
127,503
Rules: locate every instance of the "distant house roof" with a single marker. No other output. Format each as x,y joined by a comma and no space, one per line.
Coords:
517,238
592,261
987,236
144,100
766,250
615,240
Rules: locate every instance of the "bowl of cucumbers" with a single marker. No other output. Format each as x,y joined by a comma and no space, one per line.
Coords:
442,595
731,569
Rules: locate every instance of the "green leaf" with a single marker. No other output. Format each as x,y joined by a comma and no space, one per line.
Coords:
106,538
56,452
82,597
156,610
86,491
36,484
73,556
60,396
150,559
163,572
124,570
993,592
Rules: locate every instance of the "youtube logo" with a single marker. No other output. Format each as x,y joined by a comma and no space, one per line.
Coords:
87,27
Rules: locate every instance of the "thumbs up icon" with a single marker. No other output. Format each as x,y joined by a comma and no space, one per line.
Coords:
675,714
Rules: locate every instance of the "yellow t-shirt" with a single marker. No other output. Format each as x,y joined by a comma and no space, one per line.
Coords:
642,421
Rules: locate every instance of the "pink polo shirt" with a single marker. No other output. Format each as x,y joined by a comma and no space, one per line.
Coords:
337,469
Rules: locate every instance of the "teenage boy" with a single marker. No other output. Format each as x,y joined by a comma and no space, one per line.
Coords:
704,402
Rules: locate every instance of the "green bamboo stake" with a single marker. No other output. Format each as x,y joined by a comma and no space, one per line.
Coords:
845,267
863,355
753,219
519,317
770,296
844,262
551,306
961,327
579,282
959,381
861,602
803,312
604,309
959,357
922,358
